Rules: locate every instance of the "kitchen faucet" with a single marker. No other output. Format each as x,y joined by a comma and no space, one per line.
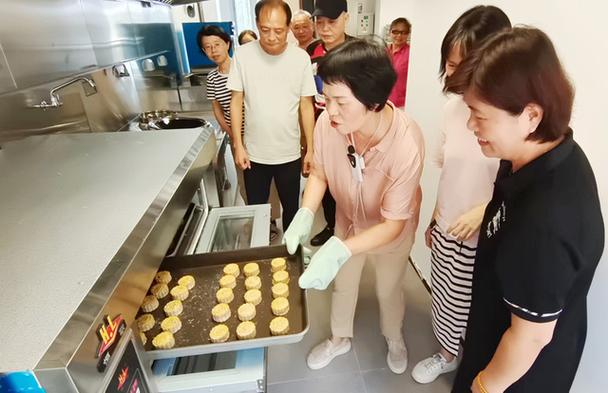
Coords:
55,100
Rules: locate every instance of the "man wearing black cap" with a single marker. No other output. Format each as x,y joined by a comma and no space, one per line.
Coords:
331,17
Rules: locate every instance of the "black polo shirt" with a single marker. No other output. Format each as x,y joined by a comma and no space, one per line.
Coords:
540,241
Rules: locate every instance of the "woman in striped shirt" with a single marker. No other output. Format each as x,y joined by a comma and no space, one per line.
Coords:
465,187
216,44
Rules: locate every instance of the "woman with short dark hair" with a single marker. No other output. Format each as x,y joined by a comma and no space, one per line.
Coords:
370,156
542,234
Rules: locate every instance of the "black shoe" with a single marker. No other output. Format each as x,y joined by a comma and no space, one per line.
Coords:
321,237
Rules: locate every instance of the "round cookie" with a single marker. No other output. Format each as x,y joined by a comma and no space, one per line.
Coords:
280,276
173,308
280,290
171,324
246,312
251,269
220,312
164,340
232,269
145,322
280,306
224,295
219,333
163,277
245,330
278,264
179,292
253,282
253,296
187,281
279,326
228,281
159,290
150,303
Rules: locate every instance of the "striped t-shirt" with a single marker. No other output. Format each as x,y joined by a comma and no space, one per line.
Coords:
216,90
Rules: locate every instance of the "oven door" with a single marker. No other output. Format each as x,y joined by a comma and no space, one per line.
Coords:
235,228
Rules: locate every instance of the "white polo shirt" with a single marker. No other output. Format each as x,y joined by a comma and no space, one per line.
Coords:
272,86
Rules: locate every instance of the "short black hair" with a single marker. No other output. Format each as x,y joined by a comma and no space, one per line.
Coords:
274,4
363,66
247,32
213,30
471,29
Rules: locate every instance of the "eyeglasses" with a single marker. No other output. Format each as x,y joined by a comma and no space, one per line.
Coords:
399,32
351,156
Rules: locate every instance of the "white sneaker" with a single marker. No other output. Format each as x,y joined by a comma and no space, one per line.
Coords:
397,355
427,370
325,352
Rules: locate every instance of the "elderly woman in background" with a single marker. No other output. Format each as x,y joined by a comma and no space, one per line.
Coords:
399,52
542,234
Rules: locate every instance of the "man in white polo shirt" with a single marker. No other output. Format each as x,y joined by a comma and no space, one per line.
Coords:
275,82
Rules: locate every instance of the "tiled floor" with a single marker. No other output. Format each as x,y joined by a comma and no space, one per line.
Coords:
363,369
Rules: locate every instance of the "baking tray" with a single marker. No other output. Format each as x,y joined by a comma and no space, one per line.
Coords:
207,269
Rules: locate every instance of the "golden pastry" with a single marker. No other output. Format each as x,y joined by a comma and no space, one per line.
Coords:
224,295
179,292
280,306
145,322
159,290
251,269
219,334
278,264
150,303
173,308
163,277
228,281
164,340
232,269
143,337
280,290
279,325
253,296
221,312
246,312
280,276
171,324
187,281
253,282
245,330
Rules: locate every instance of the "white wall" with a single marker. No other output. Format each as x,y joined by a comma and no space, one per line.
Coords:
578,31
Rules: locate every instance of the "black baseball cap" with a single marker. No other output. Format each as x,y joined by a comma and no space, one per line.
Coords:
331,9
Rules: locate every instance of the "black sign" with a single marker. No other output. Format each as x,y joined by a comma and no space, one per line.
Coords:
129,375
109,333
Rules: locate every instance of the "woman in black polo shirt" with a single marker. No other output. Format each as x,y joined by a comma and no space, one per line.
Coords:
542,234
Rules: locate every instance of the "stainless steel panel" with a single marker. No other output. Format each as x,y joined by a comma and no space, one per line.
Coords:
7,82
45,40
111,31
260,215
151,26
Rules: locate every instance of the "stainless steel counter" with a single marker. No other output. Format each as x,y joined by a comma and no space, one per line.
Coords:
68,204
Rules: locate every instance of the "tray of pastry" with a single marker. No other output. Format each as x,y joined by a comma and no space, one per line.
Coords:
224,301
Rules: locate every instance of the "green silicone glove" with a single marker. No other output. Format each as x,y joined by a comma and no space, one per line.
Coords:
325,264
299,229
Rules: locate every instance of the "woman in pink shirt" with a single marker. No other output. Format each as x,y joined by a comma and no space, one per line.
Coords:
465,187
399,52
370,156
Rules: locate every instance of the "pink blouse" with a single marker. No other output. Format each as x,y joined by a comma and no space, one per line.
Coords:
400,60
467,176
